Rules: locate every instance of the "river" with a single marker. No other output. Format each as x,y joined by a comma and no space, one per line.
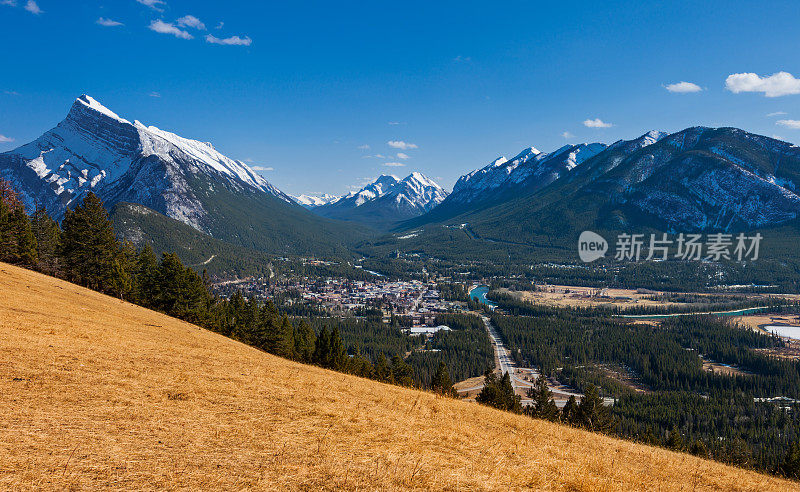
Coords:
479,294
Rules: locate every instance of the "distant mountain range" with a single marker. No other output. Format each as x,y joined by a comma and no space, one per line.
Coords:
311,201
386,201
698,179
94,149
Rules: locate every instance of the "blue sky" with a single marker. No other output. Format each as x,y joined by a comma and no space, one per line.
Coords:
313,92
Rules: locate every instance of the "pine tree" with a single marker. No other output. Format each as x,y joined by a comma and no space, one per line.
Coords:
402,373
304,341
699,449
790,467
337,355
675,440
170,285
441,383
17,242
489,394
196,298
88,246
592,414
280,336
544,407
146,273
124,280
322,348
20,227
382,371
499,393
510,400
48,241
569,413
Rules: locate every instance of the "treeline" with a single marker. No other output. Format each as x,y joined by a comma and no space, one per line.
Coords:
465,350
84,250
666,359
590,414
517,307
731,427
453,292
685,406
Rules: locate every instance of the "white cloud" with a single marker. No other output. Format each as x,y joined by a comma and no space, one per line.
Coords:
793,124
4,139
363,147
597,123
683,87
220,25
460,58
262,168
777,113
33,8
399,144
402,155
231,41
107,22
153,4
776,85
10,3
394,123
567,135
154,94
191,21
393,164
169,28
11,93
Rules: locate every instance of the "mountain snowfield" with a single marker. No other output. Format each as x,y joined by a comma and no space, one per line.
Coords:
95,149
311,201
386,201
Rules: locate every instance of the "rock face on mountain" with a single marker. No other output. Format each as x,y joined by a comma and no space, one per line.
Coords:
94,149
704,179
386,201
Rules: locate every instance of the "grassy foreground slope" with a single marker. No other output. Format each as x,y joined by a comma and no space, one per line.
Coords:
100,393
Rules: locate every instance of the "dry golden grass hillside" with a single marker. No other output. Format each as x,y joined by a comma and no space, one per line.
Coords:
98,393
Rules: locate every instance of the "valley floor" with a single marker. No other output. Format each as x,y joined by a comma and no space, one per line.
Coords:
98,393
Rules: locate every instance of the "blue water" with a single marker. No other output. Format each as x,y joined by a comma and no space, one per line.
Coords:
479,294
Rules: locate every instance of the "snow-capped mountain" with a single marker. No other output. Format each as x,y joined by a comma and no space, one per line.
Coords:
381,186
698,179
530,169
121,161
312,201
94,149
387,200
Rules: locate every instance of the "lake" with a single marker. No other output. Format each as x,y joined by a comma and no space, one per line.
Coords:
784,331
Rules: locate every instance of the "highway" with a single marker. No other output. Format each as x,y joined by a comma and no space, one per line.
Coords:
504,363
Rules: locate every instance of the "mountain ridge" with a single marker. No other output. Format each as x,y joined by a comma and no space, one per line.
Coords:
386,201
94,149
